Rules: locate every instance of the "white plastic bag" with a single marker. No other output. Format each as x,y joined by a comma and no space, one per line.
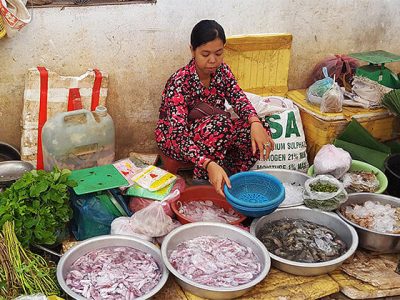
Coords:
318,88
332,160
332,100
324,192
151,221
123,225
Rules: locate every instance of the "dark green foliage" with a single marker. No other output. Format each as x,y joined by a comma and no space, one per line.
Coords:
38,203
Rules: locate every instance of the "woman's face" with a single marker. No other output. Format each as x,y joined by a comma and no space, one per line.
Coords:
208,57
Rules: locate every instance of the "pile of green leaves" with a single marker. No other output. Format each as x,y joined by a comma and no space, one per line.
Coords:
38,203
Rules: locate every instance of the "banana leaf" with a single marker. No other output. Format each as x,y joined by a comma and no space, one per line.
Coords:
365,154
358,135
391,101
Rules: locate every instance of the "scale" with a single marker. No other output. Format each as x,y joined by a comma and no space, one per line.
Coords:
376,69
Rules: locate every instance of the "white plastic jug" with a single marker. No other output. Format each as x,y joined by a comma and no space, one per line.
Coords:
78,139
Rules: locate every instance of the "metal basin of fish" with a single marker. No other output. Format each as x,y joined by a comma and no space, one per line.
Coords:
370,239
330,220
289,177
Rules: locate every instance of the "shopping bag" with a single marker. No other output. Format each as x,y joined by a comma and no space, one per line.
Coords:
48,93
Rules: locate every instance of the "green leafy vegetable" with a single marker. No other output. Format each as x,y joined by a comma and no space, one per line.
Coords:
323,187
39,205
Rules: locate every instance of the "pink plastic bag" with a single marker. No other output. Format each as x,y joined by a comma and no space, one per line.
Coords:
137,203
152,221
340,66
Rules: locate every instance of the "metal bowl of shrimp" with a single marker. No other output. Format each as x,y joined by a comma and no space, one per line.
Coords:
305,241
233,263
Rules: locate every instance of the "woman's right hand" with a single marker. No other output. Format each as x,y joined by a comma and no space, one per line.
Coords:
218,177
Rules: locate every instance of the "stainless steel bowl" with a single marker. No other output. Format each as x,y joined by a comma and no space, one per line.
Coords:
370,239
330,220
290,177
12,170
103,241
193,230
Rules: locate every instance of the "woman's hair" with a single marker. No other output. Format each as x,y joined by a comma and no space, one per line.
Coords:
206,31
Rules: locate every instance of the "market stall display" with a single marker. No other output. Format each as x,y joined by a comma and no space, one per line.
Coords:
363,220
192,231
345,232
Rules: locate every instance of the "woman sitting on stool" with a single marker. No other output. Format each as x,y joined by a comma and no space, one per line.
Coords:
193,126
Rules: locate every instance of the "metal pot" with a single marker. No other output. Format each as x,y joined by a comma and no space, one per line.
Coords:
330,220
193,230
69,257
8,152
369,239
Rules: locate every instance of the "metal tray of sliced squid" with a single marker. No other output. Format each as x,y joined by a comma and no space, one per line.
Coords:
12,170
293,182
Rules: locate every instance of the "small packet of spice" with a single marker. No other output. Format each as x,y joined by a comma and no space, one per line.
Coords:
153,178
324,192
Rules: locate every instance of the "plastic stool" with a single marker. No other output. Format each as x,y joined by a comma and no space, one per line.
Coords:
173,166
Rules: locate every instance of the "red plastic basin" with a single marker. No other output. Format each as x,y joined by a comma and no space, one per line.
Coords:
202,193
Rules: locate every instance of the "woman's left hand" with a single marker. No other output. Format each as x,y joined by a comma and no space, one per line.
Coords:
261,140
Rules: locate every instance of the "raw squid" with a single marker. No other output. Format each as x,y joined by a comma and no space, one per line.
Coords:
215,261
113,273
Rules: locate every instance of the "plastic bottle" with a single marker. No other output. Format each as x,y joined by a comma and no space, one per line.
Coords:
79,139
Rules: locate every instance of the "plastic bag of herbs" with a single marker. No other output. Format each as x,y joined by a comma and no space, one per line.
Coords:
324,192
38,203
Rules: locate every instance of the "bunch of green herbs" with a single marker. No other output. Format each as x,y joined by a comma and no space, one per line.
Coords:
21,271
38,203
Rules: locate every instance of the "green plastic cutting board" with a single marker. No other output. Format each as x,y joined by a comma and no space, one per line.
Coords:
97,179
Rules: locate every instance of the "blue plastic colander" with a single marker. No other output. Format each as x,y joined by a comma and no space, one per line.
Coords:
255,190
253,212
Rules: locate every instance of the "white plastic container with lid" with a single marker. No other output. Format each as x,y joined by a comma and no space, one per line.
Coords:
78,139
